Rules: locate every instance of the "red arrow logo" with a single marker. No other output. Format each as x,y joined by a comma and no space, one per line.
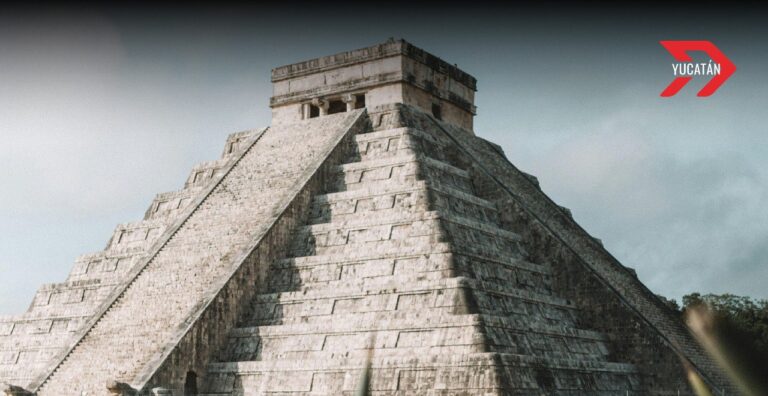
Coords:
679,50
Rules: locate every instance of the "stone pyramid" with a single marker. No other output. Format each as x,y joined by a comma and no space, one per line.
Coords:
365,243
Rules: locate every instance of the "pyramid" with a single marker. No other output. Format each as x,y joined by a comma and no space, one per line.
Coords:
367,242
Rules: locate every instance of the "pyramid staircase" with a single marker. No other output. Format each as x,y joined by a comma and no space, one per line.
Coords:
402,261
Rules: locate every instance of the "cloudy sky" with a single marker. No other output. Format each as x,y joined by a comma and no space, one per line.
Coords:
101,109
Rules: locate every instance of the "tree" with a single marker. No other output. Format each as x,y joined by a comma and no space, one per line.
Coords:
747,315
740,324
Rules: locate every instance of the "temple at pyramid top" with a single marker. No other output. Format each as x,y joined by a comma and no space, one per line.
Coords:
391,72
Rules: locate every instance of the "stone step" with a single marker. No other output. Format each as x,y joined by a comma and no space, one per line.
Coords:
398,169
388,200
427,374
452,201
418,140
323,377
341,244
379,200
400,217
85,307
253,344
297,320
293,273
238,141
354,332
328,275
286,275
205,172
371,296
141,233
389,343
362,222
393,320
28,343
32,347
406,253
376,163
415,243
362,175
72,298
361,255
374,190
172,203
409,228
405,227
411,342
381,144
377,275
106,264
378,287
518,321
363,321
441,173
512,273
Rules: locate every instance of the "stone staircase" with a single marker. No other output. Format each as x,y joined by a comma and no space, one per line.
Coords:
31,341
401,257
187,265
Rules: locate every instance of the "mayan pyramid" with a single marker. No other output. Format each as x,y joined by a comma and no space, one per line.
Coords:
367,242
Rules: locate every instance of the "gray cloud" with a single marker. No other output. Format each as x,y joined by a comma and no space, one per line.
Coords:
690,222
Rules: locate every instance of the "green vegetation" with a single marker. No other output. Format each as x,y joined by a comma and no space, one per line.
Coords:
744,315
740,326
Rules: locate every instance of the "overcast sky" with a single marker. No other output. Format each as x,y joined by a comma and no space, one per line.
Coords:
102,109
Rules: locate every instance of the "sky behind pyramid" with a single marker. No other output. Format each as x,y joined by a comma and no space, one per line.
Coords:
102,109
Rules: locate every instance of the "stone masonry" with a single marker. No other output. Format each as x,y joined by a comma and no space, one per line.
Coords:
366,239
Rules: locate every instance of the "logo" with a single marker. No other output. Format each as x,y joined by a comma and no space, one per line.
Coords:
719,67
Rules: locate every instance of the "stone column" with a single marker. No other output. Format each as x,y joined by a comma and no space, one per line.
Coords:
322,105
350,100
